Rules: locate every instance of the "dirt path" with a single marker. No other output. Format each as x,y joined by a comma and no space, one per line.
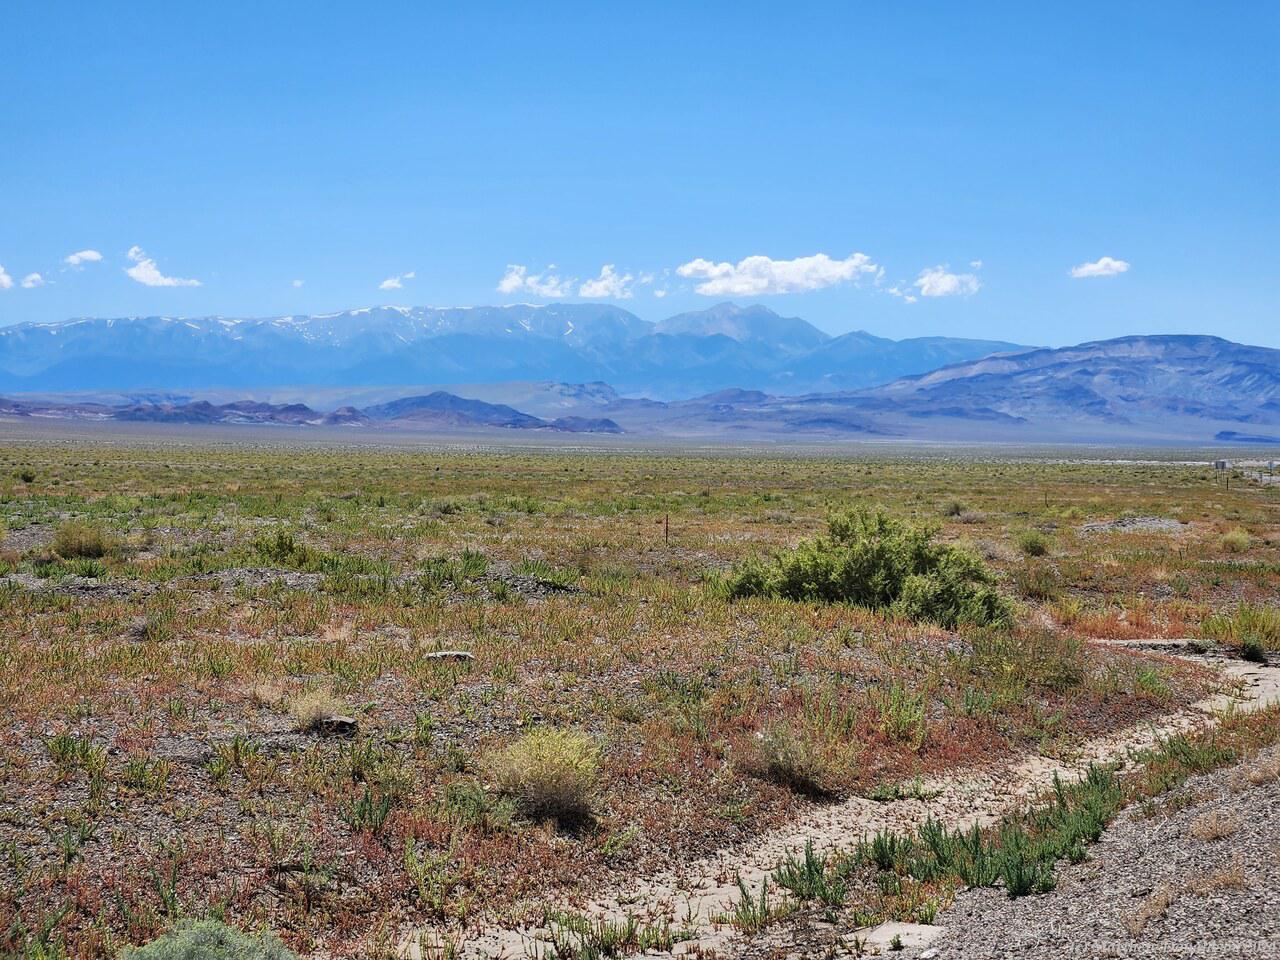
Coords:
692,898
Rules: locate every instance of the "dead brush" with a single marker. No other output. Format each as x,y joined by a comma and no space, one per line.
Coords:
1265,770
311,708
1230,877
1153,908
1214,825
340,633
784,755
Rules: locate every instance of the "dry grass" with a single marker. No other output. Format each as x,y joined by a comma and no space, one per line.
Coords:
785,756
1236,540
268,693
311,707
76,539
549,773
1230,877
1214,825
1153,908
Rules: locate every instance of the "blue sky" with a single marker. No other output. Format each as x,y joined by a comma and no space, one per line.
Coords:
908,169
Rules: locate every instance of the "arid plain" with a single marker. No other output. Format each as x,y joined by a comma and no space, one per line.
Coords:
387,700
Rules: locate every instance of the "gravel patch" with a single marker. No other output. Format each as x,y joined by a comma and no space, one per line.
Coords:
1134,525
1196,874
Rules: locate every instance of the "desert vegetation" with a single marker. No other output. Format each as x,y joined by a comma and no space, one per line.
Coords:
333,694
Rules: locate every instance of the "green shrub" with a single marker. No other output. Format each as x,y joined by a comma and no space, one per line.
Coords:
1236,540
549,773
209,940
1251,649
1033,543
77,539
1248,621
1037,581
873,560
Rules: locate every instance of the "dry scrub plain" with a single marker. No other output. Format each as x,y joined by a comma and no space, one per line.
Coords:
222,695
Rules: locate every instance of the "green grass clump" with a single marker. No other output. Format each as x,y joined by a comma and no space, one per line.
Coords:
873,560
1249,624
1021,854
1037,581
1033,543
576,937
466,803
1236,540
547,574
209,940
811,878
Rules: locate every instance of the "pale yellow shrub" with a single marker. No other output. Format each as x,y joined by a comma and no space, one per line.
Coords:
549,773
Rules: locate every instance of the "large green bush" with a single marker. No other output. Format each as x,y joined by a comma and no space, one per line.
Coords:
871,559
209,940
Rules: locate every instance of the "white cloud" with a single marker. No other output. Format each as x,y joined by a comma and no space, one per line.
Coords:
6,281
759,275
81,257
145,271
32,280
941,282
296,284
1102,267
518,279
897,291
659,293
610,284
395,283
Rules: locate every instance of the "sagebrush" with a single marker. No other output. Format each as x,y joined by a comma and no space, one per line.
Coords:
874,560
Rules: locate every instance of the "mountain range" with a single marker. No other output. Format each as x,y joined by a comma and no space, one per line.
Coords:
436,411
683,356
1163,389
725,373
1146,389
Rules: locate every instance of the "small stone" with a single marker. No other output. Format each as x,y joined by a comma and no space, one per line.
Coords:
339,726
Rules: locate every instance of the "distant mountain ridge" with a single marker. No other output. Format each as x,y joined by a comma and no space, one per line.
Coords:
725,346
1142,390
1126,379
1161,388
435,411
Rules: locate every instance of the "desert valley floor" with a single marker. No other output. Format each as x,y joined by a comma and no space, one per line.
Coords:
456,699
